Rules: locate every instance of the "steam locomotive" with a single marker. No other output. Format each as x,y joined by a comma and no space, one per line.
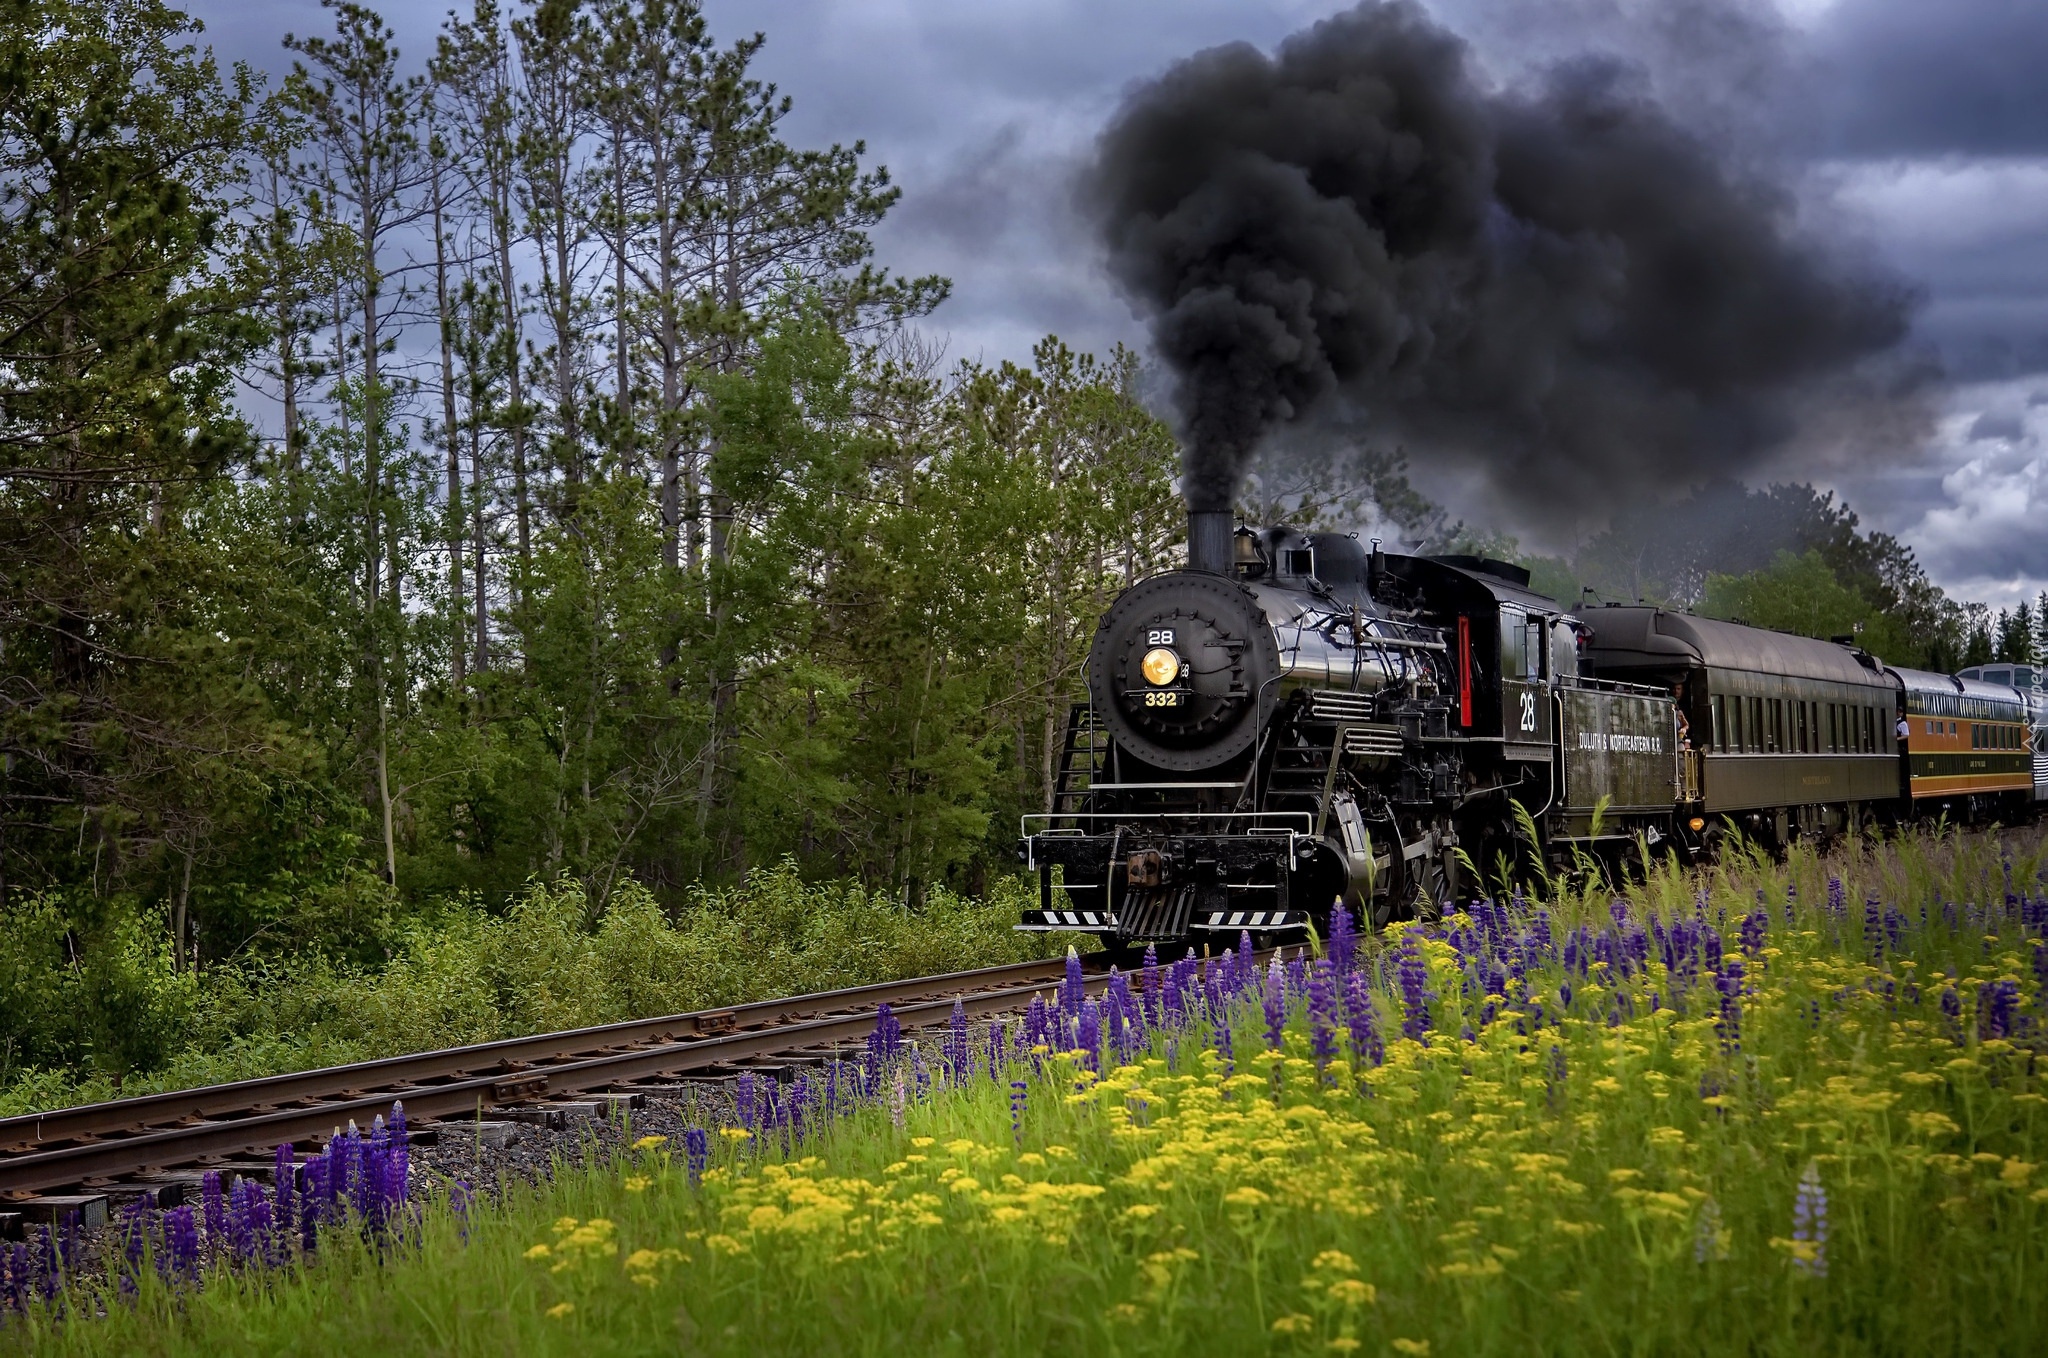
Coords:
1296,720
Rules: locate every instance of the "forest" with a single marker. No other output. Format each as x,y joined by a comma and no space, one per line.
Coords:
431,479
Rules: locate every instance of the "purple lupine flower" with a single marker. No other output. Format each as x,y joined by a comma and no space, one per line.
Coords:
1838,897
1275,1001
696,1153
803,1098
1343,939
1557,1082
1035,1023
1297,973
400,1164
886,1041
1223,1045
312,1201
1810,1221
959,1049
17,1292
1367,1047
181,1241
242,1235
135,1242
1728,1021
1873,925
1074,987
1322,1015
1125,1003
49,1266
1413,977
1089,1033
1116,1020
458,1203
1149,989
214,1209
1755,925
996,1045
1019,1093
1246,968
744,1104
1998,1008
1952,1013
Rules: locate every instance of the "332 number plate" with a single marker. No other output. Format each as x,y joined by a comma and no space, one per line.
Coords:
1163,699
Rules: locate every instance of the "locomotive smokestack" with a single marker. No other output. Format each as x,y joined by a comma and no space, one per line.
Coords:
1210,547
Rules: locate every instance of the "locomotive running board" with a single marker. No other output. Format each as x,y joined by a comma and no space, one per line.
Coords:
1252,919
1066,921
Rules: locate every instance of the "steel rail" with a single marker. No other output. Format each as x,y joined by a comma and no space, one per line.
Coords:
508,1057
364,1095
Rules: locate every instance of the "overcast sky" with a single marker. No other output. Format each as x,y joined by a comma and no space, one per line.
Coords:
1918,129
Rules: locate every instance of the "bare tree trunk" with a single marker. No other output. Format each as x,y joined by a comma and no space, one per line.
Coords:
457,650
481,599
508,287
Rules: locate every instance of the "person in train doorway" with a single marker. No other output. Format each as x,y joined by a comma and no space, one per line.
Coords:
1904,728
1678,707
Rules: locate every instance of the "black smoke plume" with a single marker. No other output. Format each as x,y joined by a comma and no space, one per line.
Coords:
1557,287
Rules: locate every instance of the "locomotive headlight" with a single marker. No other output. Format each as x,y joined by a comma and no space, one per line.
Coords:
1160,666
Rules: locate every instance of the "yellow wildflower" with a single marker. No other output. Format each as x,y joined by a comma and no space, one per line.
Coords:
650,1142
561,1310
1296,1323
1414,1348
539,1252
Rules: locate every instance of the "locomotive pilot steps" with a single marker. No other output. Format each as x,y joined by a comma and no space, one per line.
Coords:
1294,721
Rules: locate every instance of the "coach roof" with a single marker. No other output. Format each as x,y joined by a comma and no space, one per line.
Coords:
1633,636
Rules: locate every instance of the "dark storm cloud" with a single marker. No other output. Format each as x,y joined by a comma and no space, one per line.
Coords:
1997,428
1935,77
1561,286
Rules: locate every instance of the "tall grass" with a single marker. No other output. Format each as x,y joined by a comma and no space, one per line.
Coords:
467,975
1789,1108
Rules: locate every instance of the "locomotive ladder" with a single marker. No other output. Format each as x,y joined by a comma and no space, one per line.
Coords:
1084,754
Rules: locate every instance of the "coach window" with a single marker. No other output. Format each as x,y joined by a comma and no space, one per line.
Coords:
1756,725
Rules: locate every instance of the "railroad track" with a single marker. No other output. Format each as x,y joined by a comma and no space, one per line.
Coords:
51,1160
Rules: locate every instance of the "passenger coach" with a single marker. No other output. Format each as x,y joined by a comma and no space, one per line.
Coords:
1786,734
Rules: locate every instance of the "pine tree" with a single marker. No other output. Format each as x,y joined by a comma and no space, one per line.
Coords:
117,143
366,176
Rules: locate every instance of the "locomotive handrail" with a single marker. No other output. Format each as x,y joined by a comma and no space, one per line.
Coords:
1620,686
1024,822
